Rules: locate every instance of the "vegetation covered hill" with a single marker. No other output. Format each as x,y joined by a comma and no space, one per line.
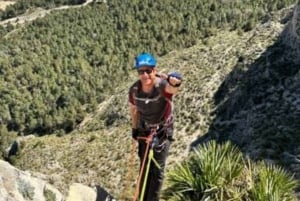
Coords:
58,68
70,71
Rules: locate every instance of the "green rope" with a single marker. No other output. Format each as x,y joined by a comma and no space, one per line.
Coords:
150,157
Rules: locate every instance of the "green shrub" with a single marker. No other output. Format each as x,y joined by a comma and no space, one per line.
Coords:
206,174
219,172
272,183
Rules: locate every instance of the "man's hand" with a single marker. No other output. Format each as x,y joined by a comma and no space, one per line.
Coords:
134,133
170,138
174,79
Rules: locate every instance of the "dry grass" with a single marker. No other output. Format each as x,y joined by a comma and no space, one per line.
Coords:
96,158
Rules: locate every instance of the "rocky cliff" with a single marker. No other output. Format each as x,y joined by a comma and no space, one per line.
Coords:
258,104
291,38
17,185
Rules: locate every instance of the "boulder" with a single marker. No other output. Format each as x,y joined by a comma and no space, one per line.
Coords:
17,185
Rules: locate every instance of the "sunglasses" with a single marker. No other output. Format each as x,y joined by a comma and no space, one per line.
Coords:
141,72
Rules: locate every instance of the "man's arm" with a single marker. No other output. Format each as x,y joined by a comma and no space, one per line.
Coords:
134,115
134,121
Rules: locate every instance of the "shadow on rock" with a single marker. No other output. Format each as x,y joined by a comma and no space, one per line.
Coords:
103,195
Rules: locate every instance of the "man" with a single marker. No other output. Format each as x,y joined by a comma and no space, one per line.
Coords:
150,100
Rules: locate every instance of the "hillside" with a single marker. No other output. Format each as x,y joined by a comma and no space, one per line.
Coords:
59,67
238,86
209,102
258,103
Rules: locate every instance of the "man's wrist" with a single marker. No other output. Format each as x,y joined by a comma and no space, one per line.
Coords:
176,85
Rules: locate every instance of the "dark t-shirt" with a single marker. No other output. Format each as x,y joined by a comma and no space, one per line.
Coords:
153,107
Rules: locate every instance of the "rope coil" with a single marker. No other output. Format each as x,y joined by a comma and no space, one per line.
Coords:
130,170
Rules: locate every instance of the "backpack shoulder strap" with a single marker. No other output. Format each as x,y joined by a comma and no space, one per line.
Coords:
161,84
133,91
168,114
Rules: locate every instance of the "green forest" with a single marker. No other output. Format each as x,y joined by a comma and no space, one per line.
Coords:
56,69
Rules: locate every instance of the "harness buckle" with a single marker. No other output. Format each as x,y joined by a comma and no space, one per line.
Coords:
155,126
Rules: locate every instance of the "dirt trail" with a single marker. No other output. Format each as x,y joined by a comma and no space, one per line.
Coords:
38,13
101,107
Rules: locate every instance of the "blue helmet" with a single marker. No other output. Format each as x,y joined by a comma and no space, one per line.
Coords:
145,59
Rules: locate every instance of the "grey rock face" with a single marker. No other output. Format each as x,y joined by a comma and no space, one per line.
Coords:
291,36
16,185
260,111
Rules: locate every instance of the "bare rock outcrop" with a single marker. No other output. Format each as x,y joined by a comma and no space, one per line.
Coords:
258,104
16,185
291,36
79,192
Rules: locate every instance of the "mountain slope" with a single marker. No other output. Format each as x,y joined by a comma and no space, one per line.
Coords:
229,88
259,108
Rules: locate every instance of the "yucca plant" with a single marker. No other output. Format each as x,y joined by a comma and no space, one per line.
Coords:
208,174
185,183
218,172
272,183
